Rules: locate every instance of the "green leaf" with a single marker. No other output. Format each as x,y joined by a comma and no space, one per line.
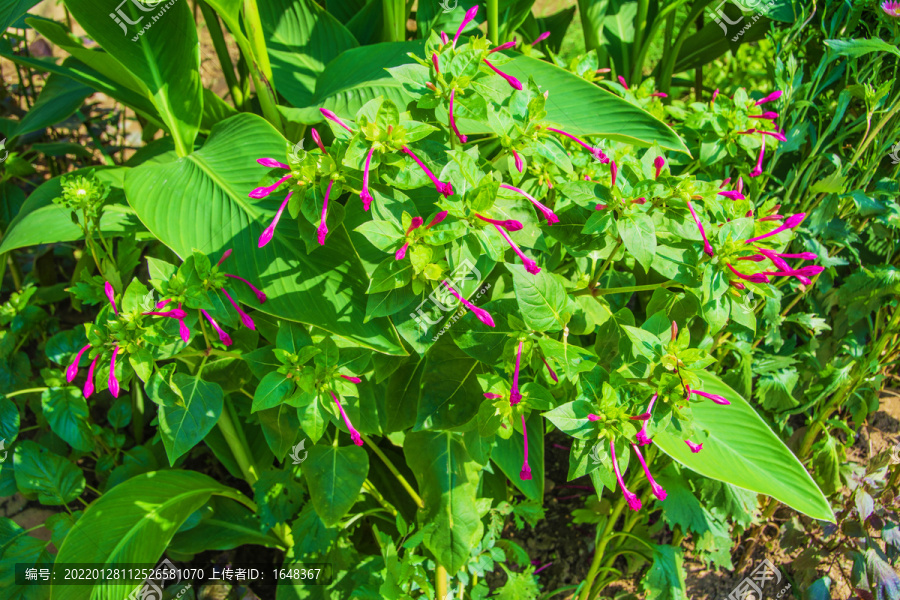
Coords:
278,495
40,221
310,533
542,299
280,425
165,57
451,394
447,481
509,455
67,412
326,288
481,341
857,48
571,419
59,99
639,236
138,517
665,579
301,38
229,525
183,425
41,474
272,391
11,11
9,420
335,477
741,449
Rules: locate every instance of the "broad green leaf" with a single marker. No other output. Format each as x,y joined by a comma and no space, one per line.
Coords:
138,518
301,38
11,11
639,236
280,425
447,481
857,48
272,391
542,299
41,474
279,496
481,341
40,221
9,420
67,412
741,449
335,477
665,579
165,56
571,419
510,454
451,393
229,525
59,99
200,202
183,425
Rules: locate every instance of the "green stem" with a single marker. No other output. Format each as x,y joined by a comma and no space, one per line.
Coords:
591,39
137,419
218,39
394,20
493,18
402,480
440,581
254,48
601,547
237,445
626,289
28,391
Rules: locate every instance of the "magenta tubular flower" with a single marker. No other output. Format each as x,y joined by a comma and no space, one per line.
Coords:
175,313
491,396
597,153
593,417
364,195
113,383
272,163
623,82
659,95
548,214
707,247
437,219
803,273
507,46
470,14
770,98
444,38
766,115
262,192
462,138
434,61
733,194
269,232
634,503
752,278
509,78
789,223
260,295
225,255
640,200
162,303
658,491
354,434
674,330
183,330
480,313
550,369
715,93
518,159
110,293
757,170
775,258
695,448
724,183
322,229
530,265
658,164
514,395
525,473
89,384
223,337
317,140
508,224
541,38
600,207
613,170
351,379
714,397
445,189
245,318
737,284
333,117
642,438
415,224
801,256
891,8
775,134
72,370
